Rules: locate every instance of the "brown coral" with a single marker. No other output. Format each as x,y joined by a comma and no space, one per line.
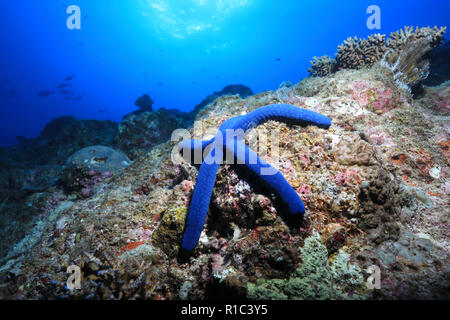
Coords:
322,66
355,53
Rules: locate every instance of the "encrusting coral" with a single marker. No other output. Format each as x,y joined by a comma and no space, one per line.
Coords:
317,278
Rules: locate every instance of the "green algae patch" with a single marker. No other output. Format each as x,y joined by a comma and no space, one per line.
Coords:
170,230
317,278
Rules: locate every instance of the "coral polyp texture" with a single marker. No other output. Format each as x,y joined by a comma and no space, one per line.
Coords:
403,51
228,140
374,186
322,66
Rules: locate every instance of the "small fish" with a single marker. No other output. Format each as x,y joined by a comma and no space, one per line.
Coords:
12,93
277,59
64,85
194,83
45,93
102,111
70,78
160,84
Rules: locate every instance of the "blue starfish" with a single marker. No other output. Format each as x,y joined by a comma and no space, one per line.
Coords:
229,140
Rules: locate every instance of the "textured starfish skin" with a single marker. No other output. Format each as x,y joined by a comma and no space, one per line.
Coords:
223,142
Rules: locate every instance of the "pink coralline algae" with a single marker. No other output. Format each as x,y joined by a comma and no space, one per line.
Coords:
380,137
187,186
442,100
52,202
349,176
379,100
304,190
91,180
140,233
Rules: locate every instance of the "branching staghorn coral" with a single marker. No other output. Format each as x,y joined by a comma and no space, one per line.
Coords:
322,66
356,53
398,39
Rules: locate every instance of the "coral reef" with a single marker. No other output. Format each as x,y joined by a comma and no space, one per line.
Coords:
355,53
404,52
139,133
375,188
59,139
232,89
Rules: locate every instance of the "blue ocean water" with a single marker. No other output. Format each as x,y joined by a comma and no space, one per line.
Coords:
176,51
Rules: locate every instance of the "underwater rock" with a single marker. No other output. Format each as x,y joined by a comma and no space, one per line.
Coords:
84,169
437,98
352,150
59,139
232,89
139,133
98,158
145,104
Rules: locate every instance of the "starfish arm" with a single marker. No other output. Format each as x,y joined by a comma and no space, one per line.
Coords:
284,113
198,208
271,176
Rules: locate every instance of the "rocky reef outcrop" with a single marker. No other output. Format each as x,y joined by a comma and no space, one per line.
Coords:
59,139
145,104
232,89
374,185
139,133
143,129
73,159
